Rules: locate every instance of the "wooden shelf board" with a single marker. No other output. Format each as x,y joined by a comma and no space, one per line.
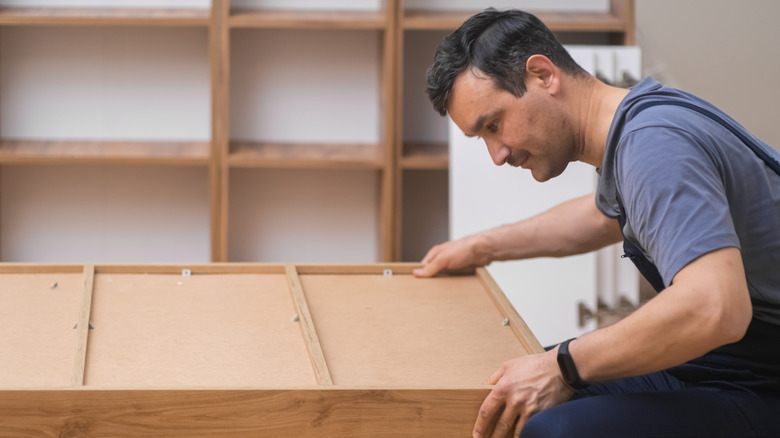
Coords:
311,19
305,155
105,152
59,16
422,19
425,156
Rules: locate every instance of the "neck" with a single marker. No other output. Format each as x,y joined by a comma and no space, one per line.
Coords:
594,105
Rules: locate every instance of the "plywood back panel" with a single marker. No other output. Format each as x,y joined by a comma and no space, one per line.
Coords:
399,331
37,338
203,330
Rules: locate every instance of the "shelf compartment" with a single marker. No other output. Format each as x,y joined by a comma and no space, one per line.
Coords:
104,152
426,156
306,19
59,16
305,155
423,19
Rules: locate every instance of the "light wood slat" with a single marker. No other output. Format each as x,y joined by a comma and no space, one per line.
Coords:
557,21
310,337
378,269
60,16
80,358
305,155
517,323
425,156
301,413
216,268
306,19
37,268
104,152
211,268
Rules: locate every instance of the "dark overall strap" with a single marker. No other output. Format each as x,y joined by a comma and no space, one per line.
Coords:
647,268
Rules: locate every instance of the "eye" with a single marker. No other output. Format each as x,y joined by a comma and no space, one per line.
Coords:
492,128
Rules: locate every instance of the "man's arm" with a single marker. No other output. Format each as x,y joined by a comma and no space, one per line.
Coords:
708,305
574,227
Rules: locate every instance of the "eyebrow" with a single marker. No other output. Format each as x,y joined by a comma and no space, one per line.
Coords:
478,125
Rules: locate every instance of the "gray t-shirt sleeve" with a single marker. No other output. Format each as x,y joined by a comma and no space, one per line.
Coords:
674,197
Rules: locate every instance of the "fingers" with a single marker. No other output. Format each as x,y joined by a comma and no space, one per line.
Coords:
505,424
487,412
522,419
431,254
432,264
428,270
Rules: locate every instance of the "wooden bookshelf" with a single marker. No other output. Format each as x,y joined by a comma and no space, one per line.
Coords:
389,156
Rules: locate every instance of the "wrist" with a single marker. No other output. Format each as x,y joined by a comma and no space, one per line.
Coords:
481,249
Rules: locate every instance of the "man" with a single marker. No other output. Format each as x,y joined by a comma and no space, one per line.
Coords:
695,196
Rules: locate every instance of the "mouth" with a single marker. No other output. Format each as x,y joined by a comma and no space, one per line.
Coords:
517,160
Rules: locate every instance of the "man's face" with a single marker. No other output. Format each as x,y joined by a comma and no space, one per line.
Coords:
529,132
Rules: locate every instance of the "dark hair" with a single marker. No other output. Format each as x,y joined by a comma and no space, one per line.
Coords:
498,43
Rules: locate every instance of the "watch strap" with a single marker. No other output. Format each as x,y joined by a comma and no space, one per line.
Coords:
568,368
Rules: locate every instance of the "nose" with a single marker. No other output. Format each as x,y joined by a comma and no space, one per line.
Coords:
498,152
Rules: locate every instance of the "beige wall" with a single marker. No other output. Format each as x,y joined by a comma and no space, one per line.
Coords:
725,51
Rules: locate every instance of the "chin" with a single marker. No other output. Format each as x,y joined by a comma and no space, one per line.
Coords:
542,178
543,175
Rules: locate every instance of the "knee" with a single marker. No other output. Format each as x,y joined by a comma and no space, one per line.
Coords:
550,423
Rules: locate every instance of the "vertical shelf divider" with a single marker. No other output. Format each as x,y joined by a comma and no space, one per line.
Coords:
398,139
219,60
389,103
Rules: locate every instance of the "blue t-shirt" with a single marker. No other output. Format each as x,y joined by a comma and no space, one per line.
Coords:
689,187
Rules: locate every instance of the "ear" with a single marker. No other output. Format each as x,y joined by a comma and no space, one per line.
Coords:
539,68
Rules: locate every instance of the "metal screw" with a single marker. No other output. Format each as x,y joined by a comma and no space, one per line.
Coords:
295,318
506,322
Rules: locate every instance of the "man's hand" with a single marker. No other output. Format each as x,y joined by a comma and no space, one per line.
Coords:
455,254
523,387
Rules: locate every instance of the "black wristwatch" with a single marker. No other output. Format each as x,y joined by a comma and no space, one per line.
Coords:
568,369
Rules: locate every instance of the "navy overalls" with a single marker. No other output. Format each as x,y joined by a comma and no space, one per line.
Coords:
731,392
